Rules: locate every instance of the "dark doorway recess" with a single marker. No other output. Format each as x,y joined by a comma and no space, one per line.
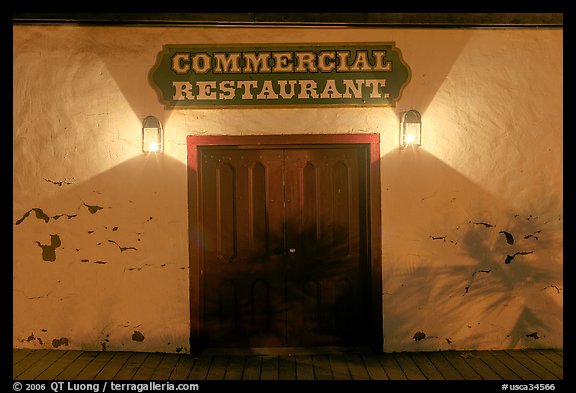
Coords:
284,241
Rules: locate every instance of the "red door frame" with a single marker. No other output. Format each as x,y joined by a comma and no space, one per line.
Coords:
372,141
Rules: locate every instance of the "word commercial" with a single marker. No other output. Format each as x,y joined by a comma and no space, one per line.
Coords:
237,76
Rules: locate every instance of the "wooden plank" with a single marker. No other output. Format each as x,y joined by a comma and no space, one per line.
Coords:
514,365
286,367
479,366
75,367
201,367
545,362
507,365
235,368
554,356
461,365
131,366
28,361
183,367
252,367
269,368
391,367
356,367
20,354
322,370
59,365
339,366
374,368
41,365
95,366
114,365
443,366
408,366
148,366
217,368
304,368
426,366
530,364
166,367
500,368
32,357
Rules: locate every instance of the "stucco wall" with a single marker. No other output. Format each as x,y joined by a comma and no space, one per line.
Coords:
100,230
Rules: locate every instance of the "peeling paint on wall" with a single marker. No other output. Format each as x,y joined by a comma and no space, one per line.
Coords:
58,183
69,216
57,342
93,208
485,224
122,249
473,275
419,336
509,258
106,341
39,215
481,271
533,235
49,250
137,336
509,237
32,338
139,268
553,286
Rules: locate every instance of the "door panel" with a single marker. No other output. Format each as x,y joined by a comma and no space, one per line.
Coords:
327,294
242,222
284,260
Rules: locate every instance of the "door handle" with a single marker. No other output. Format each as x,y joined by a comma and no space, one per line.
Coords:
279,251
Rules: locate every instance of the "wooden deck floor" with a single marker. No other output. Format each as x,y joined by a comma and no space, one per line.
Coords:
505,365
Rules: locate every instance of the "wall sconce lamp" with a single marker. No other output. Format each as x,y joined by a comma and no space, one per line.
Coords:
152,135
410,128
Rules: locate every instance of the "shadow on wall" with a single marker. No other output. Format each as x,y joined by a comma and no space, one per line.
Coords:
129,61
104,263
315,294
104,266
461,269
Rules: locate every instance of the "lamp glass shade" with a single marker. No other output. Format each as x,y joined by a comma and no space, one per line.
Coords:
151,135
411,129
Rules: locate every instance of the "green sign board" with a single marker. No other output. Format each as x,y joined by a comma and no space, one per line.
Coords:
246,76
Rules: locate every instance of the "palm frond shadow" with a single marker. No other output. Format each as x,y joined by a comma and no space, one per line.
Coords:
497,283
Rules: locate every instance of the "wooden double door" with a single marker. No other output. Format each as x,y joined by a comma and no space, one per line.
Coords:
284,246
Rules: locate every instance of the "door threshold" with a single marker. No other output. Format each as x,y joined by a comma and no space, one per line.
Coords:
287,351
